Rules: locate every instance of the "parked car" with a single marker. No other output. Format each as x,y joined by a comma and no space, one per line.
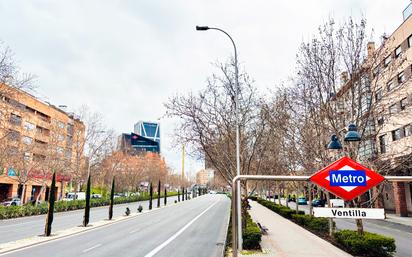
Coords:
291,198
302,201
337,203
75,196
318,203
212,192
11,202
96,196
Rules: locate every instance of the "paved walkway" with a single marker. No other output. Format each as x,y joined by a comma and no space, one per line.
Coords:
407,221
286,239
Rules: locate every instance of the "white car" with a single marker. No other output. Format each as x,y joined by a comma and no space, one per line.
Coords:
75,196
11,202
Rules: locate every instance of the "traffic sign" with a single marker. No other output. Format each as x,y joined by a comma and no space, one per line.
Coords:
349,213
346,178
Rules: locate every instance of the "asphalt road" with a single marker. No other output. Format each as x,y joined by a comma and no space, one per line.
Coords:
195,228
401,233
14,229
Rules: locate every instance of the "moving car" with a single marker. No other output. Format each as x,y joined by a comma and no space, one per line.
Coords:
11,202
302,201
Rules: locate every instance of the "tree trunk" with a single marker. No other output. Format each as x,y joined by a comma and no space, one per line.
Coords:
23,194
310,199
297,199
40,193
329,219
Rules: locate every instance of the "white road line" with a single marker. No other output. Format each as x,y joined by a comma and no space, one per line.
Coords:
91,248
165,243
134,231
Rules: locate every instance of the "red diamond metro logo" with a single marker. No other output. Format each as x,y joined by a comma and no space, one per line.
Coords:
346,178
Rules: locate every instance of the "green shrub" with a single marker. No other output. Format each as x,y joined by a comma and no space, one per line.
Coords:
251,235
10,212
368,244
253,198
312,223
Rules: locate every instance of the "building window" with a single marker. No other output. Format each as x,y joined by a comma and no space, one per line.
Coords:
382,144
410,41
408,130
70,129
42,131
393,109
27,156
376,71
68,154
29,126
15,119
390,85
14,135
378,95
396,134
60,137
387,61
404,103
380,120
398,51
401,77
27,140
60,124
59,149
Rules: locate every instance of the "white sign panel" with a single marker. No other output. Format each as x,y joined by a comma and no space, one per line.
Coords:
349,213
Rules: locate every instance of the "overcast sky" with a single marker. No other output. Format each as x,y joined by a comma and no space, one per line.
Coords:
124,59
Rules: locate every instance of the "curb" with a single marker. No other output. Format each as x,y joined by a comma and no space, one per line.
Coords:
21,244
226,231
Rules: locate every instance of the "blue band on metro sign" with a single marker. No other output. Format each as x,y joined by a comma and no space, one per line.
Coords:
347,178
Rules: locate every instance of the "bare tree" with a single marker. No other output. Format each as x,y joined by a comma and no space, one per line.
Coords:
208,122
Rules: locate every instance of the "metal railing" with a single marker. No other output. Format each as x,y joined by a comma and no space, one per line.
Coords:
235,214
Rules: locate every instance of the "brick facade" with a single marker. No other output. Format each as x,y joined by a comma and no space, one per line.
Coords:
401,207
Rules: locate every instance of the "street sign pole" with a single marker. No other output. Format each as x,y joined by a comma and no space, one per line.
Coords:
235,213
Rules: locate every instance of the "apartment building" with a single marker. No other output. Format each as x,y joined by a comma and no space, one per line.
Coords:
385,96
36,138
204,177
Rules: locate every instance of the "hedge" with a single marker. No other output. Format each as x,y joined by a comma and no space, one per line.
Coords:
368,244
10,212
312,223
251,235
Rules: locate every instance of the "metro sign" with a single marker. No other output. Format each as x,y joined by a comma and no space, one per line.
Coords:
346,178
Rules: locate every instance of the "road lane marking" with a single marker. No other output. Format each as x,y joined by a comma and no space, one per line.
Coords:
91,248
173,237
134,231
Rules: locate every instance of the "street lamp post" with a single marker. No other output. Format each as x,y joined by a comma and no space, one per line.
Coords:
238,200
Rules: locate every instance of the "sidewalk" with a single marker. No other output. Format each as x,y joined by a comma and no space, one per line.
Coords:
407,221
286,239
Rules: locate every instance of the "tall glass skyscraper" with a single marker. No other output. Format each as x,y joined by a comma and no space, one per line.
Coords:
150,130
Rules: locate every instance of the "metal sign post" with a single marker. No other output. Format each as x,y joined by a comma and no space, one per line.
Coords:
235,213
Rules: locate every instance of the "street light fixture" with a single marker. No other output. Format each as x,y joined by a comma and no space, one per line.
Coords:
334,143
352,135
204,28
